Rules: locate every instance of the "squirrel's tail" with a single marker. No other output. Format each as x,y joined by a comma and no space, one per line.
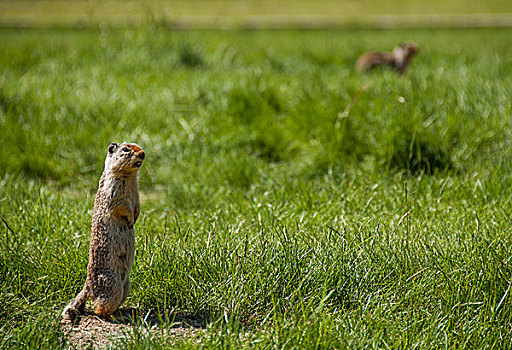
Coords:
76,306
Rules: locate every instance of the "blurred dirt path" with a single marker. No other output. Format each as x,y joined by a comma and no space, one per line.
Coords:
254,14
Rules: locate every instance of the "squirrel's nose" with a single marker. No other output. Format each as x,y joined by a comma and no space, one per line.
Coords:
141,155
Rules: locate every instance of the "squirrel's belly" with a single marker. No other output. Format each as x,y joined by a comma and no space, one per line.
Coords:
122,250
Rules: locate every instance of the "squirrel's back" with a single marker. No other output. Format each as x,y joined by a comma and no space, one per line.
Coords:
369,60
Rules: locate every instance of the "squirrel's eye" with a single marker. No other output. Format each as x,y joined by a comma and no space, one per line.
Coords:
126,149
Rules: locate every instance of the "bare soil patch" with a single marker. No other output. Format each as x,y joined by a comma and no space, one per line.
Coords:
90,331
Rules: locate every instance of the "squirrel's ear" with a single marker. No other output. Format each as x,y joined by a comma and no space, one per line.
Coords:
112,147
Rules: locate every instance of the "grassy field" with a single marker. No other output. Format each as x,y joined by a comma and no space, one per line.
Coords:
287,201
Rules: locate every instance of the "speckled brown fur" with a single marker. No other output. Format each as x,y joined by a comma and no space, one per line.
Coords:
112,243
399,58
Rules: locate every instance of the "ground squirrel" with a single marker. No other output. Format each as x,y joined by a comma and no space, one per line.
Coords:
112,243
399,58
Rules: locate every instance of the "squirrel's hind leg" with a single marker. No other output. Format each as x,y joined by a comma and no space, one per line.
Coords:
109,294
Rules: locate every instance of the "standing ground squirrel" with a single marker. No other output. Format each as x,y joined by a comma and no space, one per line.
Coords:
112,244
399,58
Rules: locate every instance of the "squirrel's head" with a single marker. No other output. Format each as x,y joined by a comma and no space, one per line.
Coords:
410,48
124,157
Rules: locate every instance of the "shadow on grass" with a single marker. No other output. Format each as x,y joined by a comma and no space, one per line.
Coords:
132,316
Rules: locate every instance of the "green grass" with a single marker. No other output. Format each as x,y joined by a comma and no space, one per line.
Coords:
272,207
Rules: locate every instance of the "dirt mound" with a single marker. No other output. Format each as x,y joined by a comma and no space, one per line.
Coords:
90,331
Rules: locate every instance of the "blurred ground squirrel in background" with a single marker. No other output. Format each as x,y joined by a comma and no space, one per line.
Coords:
112,243
399,58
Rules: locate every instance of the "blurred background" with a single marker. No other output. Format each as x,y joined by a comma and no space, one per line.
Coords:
258,13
